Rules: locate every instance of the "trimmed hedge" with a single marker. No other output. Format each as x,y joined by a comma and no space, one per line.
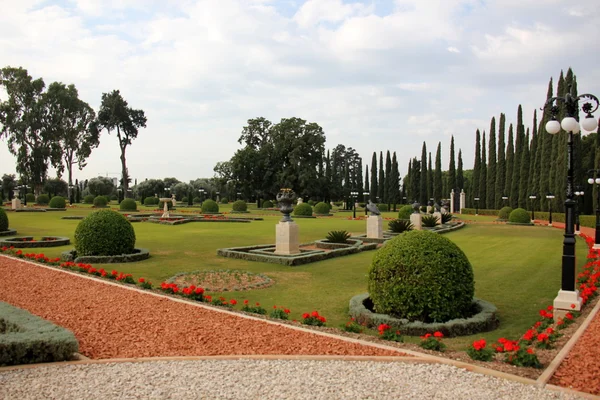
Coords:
149,201
405,212
322,208
100,201
3,220
134,256
382,207
209,206
479,211
43,199
104,233
89,199
519,216
224,200
267,204
239,206
27,339
303,209
30,198
128,205
57,202
504,212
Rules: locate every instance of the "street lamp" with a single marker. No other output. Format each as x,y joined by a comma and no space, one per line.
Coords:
591,181
504,198
167,189
532,198
549,197
568,295
238,194
353,195
578,193
71,194
365,194
476,205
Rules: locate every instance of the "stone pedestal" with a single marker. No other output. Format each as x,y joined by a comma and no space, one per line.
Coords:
287,238
16,204
438,215
375,227
564,300
166,201
416,221
300,201
444,211
463,200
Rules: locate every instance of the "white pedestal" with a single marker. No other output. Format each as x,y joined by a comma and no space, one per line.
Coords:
166,201
375,227
287,238
577,232
438,215
463,200
550,224
416,221
564,300
16,204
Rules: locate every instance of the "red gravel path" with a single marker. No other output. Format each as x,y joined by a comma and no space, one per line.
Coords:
113,322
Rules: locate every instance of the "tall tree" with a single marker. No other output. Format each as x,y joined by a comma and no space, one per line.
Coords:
373,191
429,178
423,183
367,184
476,190
491,169
510,155
460,175
395,182
483,174
501,165
515,200
533,177
545,151
452,168
388,179
437,176
524,190
115,114
326,192
381,179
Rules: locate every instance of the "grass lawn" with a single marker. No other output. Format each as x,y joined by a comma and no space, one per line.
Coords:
516,267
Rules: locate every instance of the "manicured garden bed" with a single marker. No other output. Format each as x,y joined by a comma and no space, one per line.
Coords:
26,242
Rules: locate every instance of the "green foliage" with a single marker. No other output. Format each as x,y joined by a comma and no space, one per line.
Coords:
322,208
524,358
352,326
161,204
446,218
210,206
30,198
128,205
256,308
3,220
43,199
485,354
149,201
400,225
101,186
279,313
405,212
197,200
57,202
382,207
429,221
504,212
267,204
104,233
338,236
224,200
239,205
422,276
89,199
312,203
100,201
303,209
185,199
430,342
519,215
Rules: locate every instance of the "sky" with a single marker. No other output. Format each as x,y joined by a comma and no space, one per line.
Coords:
376,75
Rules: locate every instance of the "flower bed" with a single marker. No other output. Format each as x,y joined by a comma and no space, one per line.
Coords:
137,255
29,242
223,280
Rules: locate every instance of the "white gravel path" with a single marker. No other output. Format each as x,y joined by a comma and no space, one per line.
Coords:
262,379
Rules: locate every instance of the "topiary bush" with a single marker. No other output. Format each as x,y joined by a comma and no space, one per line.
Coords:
421,276
43,199
404,212
322,208
128,205
382,207
58,202
149,201
104,233
519,216
30,198
224,200
100,201
210,206
312,203
197,200
3,220
267,204
303,209
239,206
504,212
89,199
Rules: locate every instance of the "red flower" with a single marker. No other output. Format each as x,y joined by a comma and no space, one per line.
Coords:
569,316
246,302
199,290
208,298
479,344
314,314
427,336
141,280
573,306
233,302
530,351
549,308
438,334
542,337
305,315
286,310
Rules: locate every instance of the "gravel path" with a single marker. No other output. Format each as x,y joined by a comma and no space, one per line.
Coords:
260,379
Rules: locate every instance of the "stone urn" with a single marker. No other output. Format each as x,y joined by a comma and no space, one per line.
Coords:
416,207
285,199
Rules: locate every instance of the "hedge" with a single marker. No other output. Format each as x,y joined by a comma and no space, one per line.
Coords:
479,211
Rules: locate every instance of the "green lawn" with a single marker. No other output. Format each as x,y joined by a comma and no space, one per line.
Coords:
516,268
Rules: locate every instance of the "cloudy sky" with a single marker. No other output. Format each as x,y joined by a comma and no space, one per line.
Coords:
375,74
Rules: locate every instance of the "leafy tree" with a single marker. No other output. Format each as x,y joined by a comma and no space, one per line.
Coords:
373,192
180,190
115,114
150,188
423,181
476,190
56,187
501,165
9,183
101,186
510,155
452,168
491,169
483,174
437,176
381,179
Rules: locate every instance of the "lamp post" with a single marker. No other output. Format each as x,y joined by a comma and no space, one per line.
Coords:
238,194
353,195
568,295
71,194
476,205
591,181
365,194
532,198
578,193
404,200
201,192
549,197
504,198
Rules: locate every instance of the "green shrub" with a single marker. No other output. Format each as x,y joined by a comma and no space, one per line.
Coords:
57,202
224,200
104,233
184,200
382,207
239,206
267,204
520,216
338,203
446,218
30,198
303,209
400,225
422,276
322,208
100,201
210,206
405,212
429,221
504,212
338,236
3,220
113,197
312,203
197,200
43,199
149,201
423,209
89,199
128,205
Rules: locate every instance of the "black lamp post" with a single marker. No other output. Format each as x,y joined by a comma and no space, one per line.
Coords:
570,105
591,181
550,197
578,193
504,198
71,194
476,205
532,198
353,197
365,194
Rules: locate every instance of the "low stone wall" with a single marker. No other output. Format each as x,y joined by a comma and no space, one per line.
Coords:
138,255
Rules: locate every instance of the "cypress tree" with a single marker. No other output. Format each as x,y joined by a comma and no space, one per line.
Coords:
523,189
346,186
395,186
452,168
367,185
429,178
416,178
460,176
476,190
483,175
515,200
533,179
359,181
373,192
423,183
559,155
510,155
501,165
437,178
491,169
545,151
387,191
381,180
406,185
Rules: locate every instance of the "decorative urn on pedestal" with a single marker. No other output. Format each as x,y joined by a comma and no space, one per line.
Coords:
416,207
286,198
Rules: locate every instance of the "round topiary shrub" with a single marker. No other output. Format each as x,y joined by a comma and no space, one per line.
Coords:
267,204
100,201
519,216
421,276
209,206
104,233
43,199
89,199
240,206
405,211
382,207
30,197
321,208
57,202
128,205
149,201
224,200
312,203
3,220
303,209
504,212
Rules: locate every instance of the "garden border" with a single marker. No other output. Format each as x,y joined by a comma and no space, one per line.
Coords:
140,255
9,232
25,244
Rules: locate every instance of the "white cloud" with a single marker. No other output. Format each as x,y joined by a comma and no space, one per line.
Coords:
314,11
453,49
